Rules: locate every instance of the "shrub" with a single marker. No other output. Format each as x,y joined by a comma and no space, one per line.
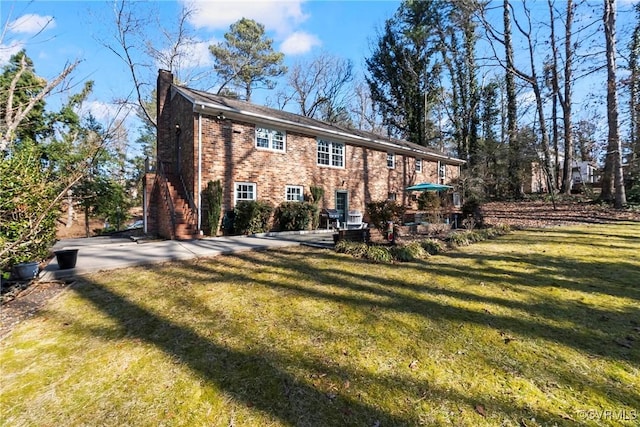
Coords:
375,253
213,201
502,229
458,239
379,254
380,213
429,201
408,252
252,217
467,237
295,215
27,225
317,193
357,249
472,209
433,247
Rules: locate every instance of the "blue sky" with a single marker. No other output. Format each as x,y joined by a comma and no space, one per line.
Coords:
78,30
57,32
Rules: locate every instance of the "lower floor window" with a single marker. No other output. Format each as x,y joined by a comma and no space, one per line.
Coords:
245,191
294,193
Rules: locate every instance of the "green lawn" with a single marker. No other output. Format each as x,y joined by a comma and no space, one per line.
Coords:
539,327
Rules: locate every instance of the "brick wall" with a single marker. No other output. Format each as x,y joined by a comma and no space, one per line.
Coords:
229,154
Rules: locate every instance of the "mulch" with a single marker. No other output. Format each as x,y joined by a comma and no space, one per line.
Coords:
23,300
540,214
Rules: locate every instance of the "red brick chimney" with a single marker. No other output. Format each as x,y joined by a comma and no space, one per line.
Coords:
165,152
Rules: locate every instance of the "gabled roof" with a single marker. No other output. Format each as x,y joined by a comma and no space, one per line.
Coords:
208,103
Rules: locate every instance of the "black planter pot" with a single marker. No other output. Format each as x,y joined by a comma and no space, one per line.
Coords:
67,258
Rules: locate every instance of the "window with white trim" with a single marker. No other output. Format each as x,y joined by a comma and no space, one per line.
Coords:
418,165
245,191
294,193
270,139
442,172
391,160
330,153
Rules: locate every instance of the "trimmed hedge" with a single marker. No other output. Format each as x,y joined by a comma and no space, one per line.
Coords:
296,216
252,217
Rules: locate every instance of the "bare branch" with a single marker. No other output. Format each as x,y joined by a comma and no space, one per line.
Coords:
12,122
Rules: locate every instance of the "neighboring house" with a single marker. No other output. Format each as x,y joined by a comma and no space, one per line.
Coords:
582,172
585,172
259,153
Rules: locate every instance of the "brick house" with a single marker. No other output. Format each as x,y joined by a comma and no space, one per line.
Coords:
259,153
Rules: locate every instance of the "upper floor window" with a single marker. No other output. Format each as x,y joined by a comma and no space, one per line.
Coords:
270,139
330,153
294,193
245,191
391,160
442,172
418,165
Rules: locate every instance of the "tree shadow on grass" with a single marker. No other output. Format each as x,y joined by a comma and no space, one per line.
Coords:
591,331
259,378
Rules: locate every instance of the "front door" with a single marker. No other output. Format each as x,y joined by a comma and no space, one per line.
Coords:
342,206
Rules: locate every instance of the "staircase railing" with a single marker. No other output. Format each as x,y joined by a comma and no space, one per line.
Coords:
192,206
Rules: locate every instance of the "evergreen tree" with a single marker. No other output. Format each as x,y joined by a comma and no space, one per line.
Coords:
19,84
246,58
404,70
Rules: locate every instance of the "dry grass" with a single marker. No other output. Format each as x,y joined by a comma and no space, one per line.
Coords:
539,327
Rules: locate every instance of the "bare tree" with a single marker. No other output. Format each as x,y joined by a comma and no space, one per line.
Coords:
14,114
318,86
132,43
530,77
362,109
613,179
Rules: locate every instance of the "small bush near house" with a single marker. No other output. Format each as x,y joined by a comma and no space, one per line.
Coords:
295,215
252,217
409,252
380,213
213,201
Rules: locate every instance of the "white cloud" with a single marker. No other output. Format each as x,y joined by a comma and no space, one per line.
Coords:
190,55
31,24
299,43
8,50
280,16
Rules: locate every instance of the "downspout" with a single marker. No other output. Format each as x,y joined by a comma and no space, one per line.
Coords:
145,197
200,174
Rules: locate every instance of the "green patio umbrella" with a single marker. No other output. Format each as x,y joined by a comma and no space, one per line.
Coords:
428,186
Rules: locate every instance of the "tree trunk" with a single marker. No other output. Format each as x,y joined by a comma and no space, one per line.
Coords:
613,178
565,102
515,179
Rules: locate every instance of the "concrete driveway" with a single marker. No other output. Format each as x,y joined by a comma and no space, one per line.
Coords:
109,253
